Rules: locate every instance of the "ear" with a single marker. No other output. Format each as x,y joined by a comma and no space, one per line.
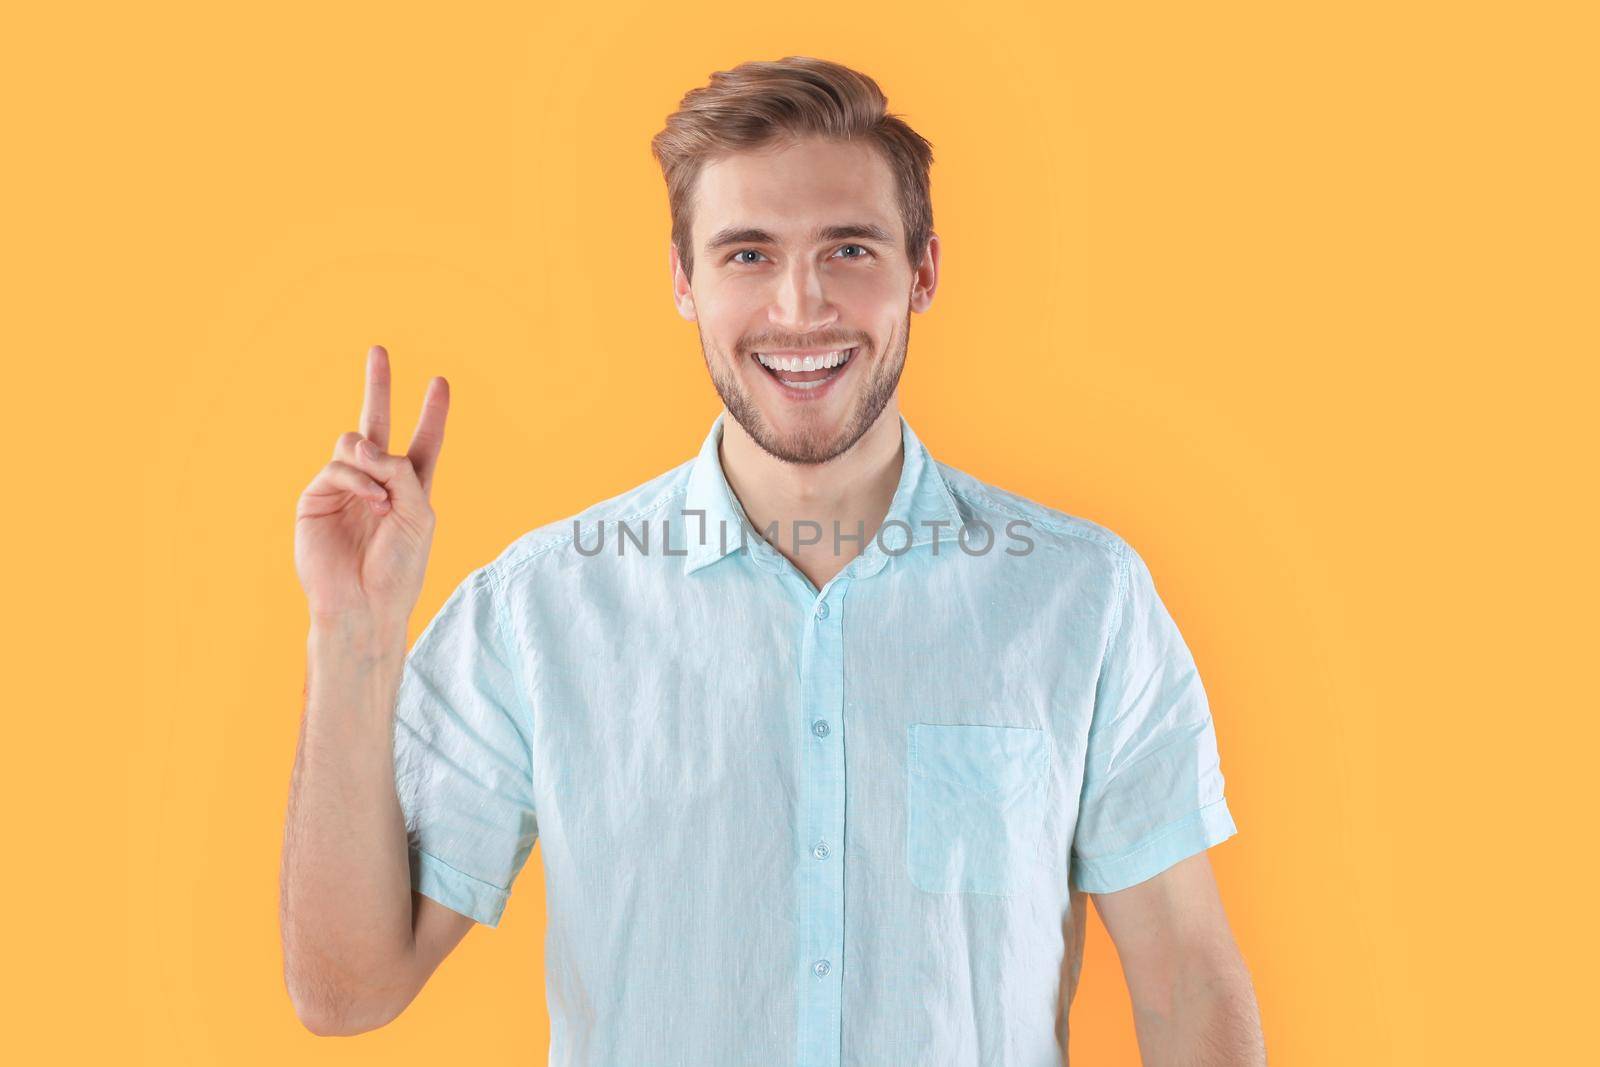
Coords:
926,277
682,294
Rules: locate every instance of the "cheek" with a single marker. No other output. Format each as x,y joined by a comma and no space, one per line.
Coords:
722,323
872,296
729,311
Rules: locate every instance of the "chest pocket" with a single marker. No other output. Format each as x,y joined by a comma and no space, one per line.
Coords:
974,806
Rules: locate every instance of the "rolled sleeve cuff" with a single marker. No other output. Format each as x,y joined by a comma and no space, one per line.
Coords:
1194,833
437,880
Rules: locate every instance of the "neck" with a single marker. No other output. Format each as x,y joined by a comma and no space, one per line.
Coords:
854,487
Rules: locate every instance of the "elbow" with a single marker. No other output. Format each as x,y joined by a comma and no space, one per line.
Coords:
314,1016
325,1022
336,992
329,1010
318,1023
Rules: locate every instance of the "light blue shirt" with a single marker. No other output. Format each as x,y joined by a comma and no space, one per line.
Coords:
784,825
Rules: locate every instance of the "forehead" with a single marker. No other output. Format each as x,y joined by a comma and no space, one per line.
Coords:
792,189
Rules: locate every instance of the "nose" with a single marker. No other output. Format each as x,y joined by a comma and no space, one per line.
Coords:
800,304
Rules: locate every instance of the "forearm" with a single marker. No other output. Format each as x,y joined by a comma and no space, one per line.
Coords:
1208,1019
346,913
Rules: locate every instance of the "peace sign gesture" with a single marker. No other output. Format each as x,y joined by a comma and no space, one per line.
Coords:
364,526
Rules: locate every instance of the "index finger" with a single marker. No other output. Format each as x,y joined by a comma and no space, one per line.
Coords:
375,402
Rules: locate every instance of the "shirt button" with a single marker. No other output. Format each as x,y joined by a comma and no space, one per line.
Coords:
821,851
822,611
820,968
820,727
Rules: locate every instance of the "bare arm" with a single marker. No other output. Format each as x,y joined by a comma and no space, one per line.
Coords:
1193,1002
358,943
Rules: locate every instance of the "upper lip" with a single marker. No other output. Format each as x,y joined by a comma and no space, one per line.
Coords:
803,351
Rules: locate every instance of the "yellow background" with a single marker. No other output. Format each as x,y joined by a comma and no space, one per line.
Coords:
1298,298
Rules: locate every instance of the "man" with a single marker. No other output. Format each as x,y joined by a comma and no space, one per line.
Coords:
822,771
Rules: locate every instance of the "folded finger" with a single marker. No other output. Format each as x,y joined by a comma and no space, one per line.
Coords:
340,475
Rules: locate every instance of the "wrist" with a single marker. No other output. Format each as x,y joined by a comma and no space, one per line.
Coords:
361,631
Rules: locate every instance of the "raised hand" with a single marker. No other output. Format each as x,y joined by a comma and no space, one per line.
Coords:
364,525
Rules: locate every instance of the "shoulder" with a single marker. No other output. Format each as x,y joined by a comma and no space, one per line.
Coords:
1065,545
544,542
1054,529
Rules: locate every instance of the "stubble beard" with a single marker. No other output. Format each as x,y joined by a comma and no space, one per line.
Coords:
812,444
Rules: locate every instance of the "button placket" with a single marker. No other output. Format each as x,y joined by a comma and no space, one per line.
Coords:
820,893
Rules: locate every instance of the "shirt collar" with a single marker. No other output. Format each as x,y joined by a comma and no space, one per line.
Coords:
922,507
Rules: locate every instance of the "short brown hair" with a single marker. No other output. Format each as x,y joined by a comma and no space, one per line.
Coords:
760,103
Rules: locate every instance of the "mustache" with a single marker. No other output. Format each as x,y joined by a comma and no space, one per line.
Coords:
828,343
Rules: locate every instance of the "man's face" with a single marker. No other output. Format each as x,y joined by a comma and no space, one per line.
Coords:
799,250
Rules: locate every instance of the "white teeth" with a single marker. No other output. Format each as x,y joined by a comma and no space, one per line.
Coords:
793,363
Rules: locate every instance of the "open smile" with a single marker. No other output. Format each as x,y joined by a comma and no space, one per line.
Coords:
805,377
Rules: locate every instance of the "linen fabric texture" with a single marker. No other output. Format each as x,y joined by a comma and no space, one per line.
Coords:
784,825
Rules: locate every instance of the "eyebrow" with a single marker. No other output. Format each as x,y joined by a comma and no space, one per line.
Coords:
856,231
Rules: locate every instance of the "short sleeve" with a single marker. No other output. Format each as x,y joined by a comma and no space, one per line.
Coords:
463,756
1152,788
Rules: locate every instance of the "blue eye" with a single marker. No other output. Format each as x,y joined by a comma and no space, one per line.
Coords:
863,253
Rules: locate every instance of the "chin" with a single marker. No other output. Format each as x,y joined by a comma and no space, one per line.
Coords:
806,437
